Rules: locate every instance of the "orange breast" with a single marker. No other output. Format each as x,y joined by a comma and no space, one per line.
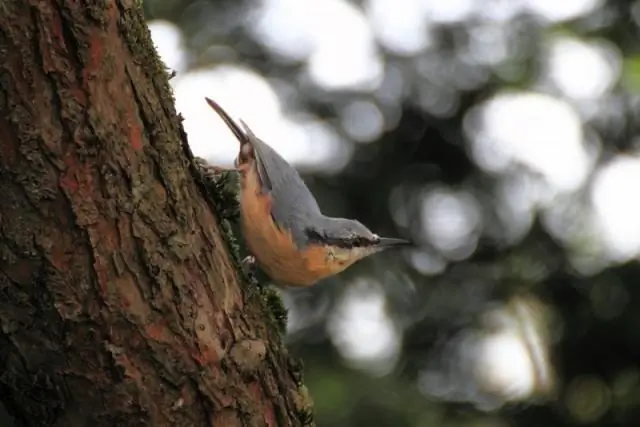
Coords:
272,247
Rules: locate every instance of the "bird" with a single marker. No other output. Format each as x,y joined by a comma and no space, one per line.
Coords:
288,236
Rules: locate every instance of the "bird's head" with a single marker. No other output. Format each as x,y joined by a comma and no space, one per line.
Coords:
348,241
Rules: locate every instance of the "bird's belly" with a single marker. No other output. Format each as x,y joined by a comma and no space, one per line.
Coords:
272,247
276,256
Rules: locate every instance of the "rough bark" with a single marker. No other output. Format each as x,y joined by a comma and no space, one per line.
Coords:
120,304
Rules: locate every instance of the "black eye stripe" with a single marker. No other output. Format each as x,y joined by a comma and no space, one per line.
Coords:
351,241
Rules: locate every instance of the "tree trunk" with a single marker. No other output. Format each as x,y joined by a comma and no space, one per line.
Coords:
120,304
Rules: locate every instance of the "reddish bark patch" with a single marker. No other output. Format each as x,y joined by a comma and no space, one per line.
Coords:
206,356
268,413
69,182
135,130
225,400
113,9
255,390
226,417
186,395
68,178
56,46
77,181
56,24
109,236
102,273
125,302
157,331
198,358
130,371
79,95
96,53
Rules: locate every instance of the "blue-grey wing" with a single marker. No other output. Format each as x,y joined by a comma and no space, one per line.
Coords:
293,206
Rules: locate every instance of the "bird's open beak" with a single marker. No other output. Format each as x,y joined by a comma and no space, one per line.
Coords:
390,242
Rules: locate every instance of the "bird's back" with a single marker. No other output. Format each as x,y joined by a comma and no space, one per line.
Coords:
293,206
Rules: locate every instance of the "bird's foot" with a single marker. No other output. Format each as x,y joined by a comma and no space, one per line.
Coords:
249,266
219,169
210,170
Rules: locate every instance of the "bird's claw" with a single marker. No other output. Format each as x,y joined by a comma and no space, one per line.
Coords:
208,169
215,171
249,265
218,170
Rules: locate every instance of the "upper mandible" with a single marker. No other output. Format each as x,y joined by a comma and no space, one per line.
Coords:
293,206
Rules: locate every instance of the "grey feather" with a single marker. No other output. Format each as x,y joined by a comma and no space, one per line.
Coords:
293,206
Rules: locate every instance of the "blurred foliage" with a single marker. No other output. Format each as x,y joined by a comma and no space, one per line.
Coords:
591,328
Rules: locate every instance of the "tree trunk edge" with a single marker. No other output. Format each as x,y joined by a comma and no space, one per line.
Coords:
106,244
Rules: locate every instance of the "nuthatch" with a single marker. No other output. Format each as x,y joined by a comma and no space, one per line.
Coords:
291,240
